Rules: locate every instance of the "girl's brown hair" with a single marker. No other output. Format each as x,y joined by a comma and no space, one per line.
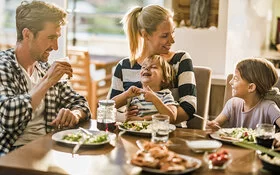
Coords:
259,71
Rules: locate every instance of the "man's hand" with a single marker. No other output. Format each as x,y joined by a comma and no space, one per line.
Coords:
66,118
57,70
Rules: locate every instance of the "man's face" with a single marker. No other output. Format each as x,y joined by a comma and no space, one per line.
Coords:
44,42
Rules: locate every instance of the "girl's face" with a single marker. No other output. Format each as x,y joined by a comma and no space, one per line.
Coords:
161,40
240,87
151,74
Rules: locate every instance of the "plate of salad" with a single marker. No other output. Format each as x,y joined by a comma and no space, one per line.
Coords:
234,135
143,128
72,136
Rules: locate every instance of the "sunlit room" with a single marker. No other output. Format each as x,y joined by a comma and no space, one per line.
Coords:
214,35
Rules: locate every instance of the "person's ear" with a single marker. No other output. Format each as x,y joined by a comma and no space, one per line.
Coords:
144,33
252,87
26,33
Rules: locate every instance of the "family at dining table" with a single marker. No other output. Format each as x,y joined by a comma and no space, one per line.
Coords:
34,102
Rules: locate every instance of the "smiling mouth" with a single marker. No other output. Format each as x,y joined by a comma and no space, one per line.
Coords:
146,74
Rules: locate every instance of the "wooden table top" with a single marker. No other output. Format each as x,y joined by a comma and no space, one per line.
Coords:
45,156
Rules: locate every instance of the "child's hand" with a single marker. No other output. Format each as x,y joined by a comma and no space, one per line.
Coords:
149,94
212,126
133,91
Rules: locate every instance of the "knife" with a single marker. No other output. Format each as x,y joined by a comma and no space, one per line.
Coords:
78,145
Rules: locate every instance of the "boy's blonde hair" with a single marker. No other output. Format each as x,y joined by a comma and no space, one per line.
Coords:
138,18
259,71
168,71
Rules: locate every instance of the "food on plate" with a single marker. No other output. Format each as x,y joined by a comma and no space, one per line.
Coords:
238,134
159,157
137,126
219,158
78,136
270,159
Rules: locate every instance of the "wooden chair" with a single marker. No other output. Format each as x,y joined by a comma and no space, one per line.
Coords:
203,86
81,80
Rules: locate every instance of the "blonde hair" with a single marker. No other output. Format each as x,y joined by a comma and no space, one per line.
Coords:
259,71
168,72
35,14
138,18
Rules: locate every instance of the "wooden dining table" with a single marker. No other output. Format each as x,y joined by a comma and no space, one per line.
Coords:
45,156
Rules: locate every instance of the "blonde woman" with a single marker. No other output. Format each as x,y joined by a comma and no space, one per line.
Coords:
150,31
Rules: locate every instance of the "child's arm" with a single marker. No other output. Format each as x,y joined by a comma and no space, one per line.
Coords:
170,110
121,99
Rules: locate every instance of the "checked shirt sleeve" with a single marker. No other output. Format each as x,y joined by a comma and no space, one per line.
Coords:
15,102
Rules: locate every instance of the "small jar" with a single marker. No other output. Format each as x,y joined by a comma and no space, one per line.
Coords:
106,115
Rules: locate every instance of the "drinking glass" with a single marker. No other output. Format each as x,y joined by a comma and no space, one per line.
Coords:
265,134
65,77
160,128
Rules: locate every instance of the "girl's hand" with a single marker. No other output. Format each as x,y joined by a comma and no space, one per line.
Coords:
212,126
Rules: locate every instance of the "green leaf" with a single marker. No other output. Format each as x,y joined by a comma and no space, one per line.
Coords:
257,147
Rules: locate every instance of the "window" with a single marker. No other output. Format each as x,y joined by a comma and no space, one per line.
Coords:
96,24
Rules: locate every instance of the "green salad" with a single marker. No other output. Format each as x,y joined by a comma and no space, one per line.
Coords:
241,134
76,137
136,126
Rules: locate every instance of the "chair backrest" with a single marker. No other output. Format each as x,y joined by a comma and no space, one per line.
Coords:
81,80
203,86
228,93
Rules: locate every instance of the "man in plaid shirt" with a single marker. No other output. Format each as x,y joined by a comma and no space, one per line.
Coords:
33,102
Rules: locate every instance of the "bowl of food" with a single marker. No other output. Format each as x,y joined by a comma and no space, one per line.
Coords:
270,163
217,160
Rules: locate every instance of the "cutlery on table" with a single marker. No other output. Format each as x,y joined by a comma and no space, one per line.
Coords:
198,116
78,145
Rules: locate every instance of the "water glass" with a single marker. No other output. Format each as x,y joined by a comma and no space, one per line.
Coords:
160,128
265,134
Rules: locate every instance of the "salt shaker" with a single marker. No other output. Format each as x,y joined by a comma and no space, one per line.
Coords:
106,115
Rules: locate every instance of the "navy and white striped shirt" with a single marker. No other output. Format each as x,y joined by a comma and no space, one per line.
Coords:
184,90
148,108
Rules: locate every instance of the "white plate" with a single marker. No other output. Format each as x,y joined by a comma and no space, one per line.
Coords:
146,132
58,137
153,170
204,145
216,135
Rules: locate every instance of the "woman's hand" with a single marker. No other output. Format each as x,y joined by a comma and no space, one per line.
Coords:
131,112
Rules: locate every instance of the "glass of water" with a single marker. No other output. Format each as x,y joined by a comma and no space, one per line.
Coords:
160,128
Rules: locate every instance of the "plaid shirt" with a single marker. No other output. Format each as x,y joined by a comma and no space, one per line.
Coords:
15,101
